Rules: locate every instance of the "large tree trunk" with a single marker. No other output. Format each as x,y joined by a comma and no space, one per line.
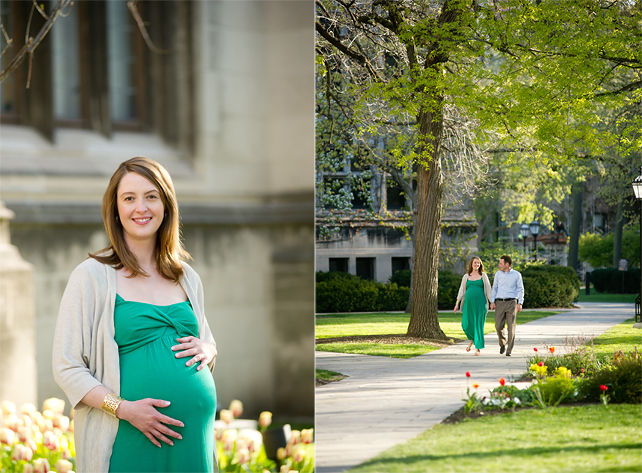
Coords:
617,233
412,259
427,233
576,223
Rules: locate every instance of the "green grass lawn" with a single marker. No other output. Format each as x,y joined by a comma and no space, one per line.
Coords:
327,375
605,297
344,325
587,439
620,337
397,350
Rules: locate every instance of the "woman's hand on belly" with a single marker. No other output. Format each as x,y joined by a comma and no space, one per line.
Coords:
198,349
144,416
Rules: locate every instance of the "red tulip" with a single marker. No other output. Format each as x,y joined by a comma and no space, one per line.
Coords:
535,348
502,381
603,388
468,374
541,363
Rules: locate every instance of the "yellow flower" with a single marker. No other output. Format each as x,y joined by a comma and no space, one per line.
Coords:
8,407
307,435
298,455
63,466
226,416
236,407
265,419
53,404
243,456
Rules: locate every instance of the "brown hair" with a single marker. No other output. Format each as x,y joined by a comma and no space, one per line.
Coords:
507,259
470,265
169,248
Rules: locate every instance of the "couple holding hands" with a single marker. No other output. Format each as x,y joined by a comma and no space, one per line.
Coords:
506,298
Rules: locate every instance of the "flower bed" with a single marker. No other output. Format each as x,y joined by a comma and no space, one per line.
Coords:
34,442
615,380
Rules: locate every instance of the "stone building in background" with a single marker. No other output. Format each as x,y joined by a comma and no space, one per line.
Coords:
373,240
227,107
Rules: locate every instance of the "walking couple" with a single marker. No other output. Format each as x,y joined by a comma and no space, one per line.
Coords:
506,298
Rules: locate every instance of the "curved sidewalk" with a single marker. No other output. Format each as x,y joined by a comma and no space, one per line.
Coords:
387,401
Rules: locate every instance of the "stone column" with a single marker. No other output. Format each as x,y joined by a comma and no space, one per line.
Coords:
17,321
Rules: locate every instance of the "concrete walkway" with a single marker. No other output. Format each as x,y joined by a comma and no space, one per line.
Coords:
387,401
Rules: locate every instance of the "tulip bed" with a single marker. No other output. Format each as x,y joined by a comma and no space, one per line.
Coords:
242,451
535,431
34,442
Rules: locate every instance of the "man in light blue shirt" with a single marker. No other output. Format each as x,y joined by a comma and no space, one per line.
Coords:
508,292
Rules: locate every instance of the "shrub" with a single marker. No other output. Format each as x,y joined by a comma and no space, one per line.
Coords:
447,289
549,286
556,389
322,276
623,379
597,250
392,297
341,292
401,278
614,281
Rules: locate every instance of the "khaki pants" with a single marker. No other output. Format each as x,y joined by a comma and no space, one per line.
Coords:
506,314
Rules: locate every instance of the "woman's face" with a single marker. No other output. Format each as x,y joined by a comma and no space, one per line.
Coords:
140,207
476,264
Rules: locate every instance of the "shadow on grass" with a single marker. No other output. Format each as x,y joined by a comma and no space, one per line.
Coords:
493,455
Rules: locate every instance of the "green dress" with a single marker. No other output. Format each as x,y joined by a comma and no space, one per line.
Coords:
474,312
145,334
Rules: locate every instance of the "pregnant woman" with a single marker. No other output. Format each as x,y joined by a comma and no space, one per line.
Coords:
474,295
130,317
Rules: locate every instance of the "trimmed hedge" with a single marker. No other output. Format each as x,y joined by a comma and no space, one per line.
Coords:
401,278
341,292
549,286
544,286
448,287
610,280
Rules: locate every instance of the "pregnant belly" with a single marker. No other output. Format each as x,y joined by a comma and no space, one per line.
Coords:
153,371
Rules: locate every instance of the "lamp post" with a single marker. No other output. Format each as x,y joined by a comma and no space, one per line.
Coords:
524,229
637,189
534,228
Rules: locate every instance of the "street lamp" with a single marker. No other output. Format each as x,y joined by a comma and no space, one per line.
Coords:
524,229
534,228
637,189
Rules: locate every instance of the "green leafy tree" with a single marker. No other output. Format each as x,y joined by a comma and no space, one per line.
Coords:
597,250
528,73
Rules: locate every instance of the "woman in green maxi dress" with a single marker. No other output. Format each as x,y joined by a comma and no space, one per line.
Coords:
474,292
132,347
145,334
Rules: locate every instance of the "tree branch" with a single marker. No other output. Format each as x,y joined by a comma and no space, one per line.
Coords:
360,58
32,43
131,4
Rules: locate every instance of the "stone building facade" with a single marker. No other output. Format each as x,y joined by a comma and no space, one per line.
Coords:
228,109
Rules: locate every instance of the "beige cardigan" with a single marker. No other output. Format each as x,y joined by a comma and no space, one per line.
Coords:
462,289
85,354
